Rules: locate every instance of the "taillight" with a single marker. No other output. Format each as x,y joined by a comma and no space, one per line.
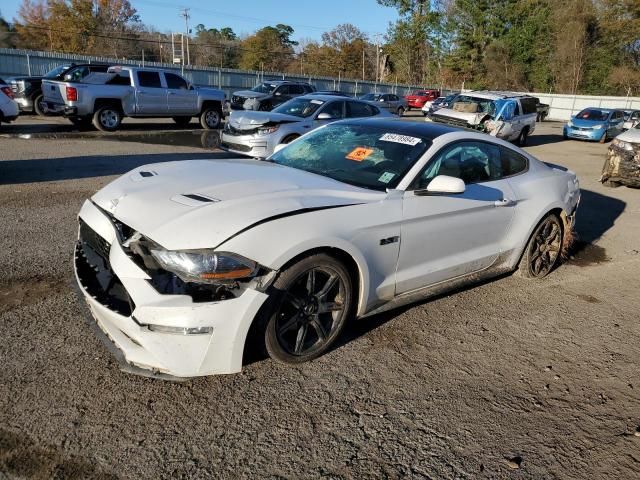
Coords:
7,91
72,94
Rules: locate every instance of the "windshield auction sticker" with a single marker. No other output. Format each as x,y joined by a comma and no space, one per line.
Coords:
404,139
358,154
386,177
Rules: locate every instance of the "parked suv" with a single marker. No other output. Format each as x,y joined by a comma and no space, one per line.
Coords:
268,95
388,101
28,90
506,115
106,98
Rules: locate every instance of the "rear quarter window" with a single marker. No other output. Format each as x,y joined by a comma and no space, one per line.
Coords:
512,163
529,105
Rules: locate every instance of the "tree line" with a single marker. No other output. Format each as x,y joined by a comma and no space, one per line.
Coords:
569,46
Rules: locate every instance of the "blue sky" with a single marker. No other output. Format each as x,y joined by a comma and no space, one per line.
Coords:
308,18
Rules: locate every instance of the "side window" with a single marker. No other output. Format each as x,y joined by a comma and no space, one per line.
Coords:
473,162
512,163
529,105
176,82
282,90
516,112
79,73
121,78
335,109
296,89
149,79
359,109
394,98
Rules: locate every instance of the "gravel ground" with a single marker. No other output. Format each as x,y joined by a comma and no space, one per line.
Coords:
509,379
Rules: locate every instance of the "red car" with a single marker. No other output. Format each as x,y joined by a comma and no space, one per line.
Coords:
418,98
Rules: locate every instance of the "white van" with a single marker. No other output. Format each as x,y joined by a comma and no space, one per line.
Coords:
506,115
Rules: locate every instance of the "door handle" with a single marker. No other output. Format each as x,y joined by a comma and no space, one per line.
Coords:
505,202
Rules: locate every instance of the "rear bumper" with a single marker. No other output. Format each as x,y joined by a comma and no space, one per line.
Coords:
130,304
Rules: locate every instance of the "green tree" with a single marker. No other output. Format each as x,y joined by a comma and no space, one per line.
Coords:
270,48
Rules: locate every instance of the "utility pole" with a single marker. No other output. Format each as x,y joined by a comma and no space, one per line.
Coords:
377,39
363,63
185,13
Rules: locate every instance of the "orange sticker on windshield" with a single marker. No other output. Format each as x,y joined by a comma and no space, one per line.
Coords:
358,154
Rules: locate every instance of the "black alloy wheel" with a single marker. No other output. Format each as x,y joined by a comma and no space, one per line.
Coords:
543,251
310,309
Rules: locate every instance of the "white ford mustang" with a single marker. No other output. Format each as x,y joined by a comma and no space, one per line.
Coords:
180,261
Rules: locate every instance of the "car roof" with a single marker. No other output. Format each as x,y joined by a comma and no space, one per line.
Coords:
494,94
427,129
326,98
285,82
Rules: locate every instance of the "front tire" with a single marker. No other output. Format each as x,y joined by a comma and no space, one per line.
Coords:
107,118
400,111
210,118
543,249
308,310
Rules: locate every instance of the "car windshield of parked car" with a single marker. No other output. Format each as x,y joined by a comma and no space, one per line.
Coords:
481,105
264,88
299,107
57,71
593,114
362,155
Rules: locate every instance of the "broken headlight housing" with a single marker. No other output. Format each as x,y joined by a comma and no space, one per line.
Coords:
205,266
622,144
267,130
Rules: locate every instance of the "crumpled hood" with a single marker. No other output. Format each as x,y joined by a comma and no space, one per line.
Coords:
201,203
470,118
632,136
250,94
249,119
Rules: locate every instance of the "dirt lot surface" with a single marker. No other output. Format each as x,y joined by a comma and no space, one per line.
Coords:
510,379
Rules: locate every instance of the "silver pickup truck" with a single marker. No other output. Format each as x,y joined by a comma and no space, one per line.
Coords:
105,98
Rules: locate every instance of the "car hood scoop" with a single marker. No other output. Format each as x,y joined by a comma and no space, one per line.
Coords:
201,203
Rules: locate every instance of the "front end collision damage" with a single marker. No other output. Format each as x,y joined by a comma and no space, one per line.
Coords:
622,166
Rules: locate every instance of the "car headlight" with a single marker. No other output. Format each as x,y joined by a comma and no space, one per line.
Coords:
599,127
622,144
205,266
267,130
570,124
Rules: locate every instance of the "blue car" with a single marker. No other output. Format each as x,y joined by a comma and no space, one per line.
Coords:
596,124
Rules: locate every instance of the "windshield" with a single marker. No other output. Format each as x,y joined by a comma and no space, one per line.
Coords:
264,88
362,155
593,114
299,107
56,72
476,104
370,96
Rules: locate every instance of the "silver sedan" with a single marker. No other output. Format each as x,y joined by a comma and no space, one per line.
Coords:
256,134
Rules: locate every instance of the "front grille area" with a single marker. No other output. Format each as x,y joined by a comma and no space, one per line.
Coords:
449,121
235,146
230,130
95,274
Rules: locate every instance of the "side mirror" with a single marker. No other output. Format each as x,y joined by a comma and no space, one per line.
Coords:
381,100
324,116
277,94
279,147
443,184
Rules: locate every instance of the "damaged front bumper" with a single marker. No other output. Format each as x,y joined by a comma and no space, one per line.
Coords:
622,165
166,334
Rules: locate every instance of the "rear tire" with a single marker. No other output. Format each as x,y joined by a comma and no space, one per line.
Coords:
400,111
182,121
523,137
308,309
38,105
210,118
542,252
107,118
